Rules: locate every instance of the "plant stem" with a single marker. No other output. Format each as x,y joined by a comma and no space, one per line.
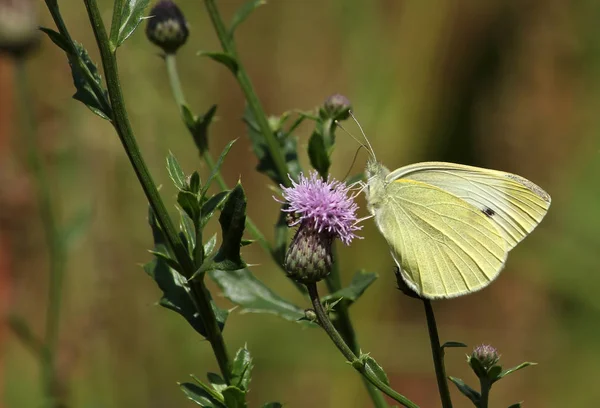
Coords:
227,44
179,96
121,123
348,353
438,355
485,393
54,240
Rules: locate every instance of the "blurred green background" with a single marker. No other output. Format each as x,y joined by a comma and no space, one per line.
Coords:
503,84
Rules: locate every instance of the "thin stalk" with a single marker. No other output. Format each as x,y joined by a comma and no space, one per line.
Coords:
348,353
52,235
244,81
179,96
438,355
485,393
122,125
343,324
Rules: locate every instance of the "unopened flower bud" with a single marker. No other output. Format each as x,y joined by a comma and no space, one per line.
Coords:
18,26
487,356
309,257
167,27
337,107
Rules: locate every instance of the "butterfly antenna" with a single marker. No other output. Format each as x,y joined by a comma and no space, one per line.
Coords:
353,161
364,135
338,124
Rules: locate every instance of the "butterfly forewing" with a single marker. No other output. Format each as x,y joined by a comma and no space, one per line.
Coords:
444,245
514,204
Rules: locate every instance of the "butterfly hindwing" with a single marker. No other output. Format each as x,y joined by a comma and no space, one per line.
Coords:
513,203
444,245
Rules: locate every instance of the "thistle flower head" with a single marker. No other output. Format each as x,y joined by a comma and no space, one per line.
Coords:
487,355
325,206
167,27
337,106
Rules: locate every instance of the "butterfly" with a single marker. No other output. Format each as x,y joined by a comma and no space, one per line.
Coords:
450,226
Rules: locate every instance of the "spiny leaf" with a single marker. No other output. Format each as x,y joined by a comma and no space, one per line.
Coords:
317,154
217,167
233,222
222,58
359,284
84,91
176,173
58,39
372,366
467,391
241,370
234,397
198,126
131,16
201,396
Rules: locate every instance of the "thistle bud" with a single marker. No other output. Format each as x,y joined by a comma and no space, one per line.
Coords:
18,26
167,27
486,355
309,257
336,107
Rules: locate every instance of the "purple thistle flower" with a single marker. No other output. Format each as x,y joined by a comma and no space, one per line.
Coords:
325,206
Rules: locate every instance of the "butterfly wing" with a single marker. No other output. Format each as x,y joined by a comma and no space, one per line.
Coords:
444,246
513,203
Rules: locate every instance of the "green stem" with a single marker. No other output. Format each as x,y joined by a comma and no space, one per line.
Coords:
348,353
54,240
179,96
343,324
243,79
438,355
485,393
121,122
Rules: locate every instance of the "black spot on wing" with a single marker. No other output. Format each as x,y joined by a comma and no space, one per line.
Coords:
489,212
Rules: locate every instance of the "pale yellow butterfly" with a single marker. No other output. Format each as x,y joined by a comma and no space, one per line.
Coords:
450,226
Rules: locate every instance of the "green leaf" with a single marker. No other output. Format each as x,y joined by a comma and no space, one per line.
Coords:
477,367
243,13
241,370
189,203
360,282
176,173
187,228
233,222
211,205
467,391
242,288
209,247
131,16
450,344
287,144
234,397
494,373
200,396
195,183
198,126
317,153
164,256
517,368
222,58
216,382
84,91
217,167
59,39
374,368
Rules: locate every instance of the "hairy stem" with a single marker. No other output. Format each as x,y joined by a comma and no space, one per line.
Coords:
438,355
348,353
122,125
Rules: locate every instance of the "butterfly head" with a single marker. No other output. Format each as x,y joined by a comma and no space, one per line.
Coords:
376,183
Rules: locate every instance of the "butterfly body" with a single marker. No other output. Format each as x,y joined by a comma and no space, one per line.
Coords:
449,226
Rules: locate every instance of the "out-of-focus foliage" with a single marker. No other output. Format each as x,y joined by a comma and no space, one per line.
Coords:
499,84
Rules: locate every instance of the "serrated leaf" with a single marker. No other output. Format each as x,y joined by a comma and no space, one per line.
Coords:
211,205
217,383
201,396
222,58
166,258
131,16
241,370
371,366
359,284
217,167
517,368
243,13
84,91
58,39
187,228
189,203
234,397
467,391
209,247
317,153
287,145
233,222
198,126
242,288
450,344
176,173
